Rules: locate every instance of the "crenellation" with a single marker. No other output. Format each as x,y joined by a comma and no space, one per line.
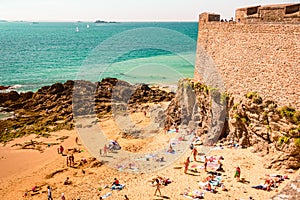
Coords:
288,13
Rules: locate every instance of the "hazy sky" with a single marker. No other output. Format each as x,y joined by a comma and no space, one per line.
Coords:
121,10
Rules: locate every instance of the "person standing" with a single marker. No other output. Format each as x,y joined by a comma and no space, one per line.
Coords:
205,163
49,193
105,150
157,185
195,153
186,165
237,174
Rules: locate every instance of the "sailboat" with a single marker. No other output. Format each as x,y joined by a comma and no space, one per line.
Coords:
77,29
87,26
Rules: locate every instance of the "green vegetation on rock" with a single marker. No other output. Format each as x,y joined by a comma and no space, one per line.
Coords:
290,113
283,139
255,97
297,141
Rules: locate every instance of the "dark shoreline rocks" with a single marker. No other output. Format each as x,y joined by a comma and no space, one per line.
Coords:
2,87
51,108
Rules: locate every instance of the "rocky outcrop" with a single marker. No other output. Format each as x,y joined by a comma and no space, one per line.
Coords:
191,107
272,131
4,87
52,107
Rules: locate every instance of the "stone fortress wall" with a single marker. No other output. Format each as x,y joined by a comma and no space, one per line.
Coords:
258,51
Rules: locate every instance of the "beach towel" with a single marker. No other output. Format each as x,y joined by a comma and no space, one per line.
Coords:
172,131
106,195
196,194
173,152
202,184
117,187
174,141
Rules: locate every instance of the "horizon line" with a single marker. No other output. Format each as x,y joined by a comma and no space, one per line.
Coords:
89,21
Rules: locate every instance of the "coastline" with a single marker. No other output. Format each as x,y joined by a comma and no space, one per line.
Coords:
40,159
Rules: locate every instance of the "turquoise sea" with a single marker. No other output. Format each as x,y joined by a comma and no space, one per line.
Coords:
37,54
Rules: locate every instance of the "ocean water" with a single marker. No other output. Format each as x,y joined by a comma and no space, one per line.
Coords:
37,54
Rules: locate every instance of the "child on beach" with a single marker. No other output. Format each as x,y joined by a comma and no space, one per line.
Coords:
116,182
67,181
237,174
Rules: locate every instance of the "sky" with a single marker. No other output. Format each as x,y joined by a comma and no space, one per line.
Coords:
121,10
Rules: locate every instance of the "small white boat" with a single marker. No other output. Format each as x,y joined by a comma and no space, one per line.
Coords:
77,29
87,26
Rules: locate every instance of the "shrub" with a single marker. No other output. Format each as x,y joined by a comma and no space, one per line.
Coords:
283,139
235,106
250,95
224,97
296,117
244,120
297,141
287,111
255,97
236,116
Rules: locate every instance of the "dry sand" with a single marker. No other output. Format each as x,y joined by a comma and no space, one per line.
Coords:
21,169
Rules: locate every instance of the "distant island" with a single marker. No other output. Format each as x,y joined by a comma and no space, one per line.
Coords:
104,22
3,20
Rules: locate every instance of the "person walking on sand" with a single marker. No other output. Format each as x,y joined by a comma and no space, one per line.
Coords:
105,149
68,157
186,164
72,160
60,150
205,163
157,185
195,153
63,196
49,193
76,140
237,174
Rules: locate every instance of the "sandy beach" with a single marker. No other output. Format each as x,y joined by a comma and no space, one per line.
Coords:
22,169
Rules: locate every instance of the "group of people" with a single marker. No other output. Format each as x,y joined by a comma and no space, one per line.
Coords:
270,181
70,160
113,145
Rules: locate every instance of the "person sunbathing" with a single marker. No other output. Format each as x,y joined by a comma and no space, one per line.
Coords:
171,150
116,182
266,187
208,187
67,181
